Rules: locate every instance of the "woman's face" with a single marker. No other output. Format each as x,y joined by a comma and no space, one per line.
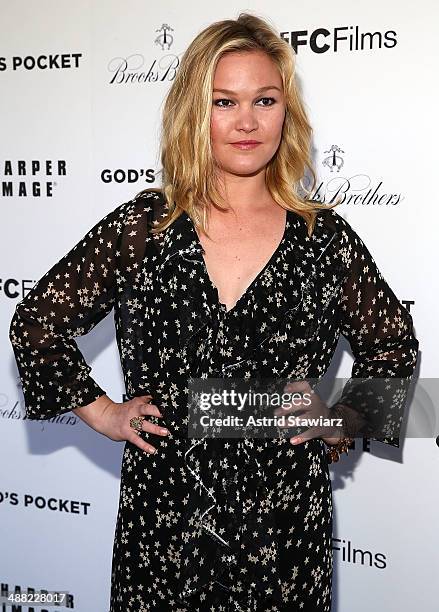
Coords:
252,108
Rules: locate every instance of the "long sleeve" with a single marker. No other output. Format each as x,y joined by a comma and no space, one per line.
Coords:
68,301
380,333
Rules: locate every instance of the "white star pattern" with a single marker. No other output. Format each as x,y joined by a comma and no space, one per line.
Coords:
170,326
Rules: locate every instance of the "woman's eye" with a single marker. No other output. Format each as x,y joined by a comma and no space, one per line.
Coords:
220,100
272,100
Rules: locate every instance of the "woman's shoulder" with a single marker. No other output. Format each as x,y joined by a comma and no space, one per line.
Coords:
143,210
328,219
343,234
152,203
136,217
149,199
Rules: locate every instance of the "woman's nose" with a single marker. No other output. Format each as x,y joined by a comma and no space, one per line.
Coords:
246,119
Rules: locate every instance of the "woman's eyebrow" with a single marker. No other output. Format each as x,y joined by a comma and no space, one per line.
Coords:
229,91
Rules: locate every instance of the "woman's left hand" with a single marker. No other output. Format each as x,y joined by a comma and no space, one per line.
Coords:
311,407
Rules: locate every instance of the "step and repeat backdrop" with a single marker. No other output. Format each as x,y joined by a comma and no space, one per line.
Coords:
82,90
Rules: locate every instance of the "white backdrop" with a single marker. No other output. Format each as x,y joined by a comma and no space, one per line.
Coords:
82,88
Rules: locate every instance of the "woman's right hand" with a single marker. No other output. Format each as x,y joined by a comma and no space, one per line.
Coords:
114,421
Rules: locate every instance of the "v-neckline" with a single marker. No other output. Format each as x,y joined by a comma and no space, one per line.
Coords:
222,306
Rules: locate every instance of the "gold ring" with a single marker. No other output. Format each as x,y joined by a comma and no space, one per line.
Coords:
136,423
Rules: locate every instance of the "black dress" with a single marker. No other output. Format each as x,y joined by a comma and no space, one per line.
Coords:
214,524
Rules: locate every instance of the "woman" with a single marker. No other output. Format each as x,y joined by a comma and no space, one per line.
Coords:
226,272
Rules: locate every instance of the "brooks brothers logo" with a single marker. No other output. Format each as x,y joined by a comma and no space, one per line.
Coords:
136,68
356,189
52,61
334,161
165,38
30,178
342,38
13,409
349,554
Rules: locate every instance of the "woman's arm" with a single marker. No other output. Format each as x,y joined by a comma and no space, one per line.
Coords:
380,332
92,414
67,302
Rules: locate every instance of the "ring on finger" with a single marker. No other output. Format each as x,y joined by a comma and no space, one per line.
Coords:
136,423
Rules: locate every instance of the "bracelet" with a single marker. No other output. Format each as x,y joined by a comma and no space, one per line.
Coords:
350,421
334,451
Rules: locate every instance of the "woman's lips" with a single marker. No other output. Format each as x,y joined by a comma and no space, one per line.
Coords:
245,146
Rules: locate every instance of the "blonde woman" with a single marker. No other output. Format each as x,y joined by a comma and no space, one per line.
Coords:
229,270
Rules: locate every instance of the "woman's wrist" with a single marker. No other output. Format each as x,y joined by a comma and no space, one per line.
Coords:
332,441
351,420
341,443
93,413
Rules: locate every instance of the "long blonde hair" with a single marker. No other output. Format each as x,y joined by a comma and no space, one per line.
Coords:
189,179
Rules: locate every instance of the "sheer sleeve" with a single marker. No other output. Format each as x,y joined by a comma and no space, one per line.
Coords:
381,336
68,301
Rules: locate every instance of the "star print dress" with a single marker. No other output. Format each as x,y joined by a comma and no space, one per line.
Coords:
217,524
